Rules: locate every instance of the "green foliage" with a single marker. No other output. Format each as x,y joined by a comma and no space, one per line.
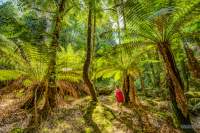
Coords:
17,130
69,64
88,130
9,75
126,37
104,118
116,64
28,61
192,94
194,100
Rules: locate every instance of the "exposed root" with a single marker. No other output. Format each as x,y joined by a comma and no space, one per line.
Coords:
13,85
41,104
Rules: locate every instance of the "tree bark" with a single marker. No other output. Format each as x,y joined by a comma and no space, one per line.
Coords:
126,89
132,94
93,69
51,91
184,121
129,90
86,66
193,64
176,88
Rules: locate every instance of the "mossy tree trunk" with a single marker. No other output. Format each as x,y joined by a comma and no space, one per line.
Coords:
86,67
176,88
44,93
193,64
184,121
51,89
129,90
94,67
126,88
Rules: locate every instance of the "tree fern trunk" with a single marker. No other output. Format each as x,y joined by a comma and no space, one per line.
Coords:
129,90
184,121
132,93
176,88
193,64
86,66
51,75
126,89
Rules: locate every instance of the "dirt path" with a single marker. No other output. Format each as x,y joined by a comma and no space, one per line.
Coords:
10,114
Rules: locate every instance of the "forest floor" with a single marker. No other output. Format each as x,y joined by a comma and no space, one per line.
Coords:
84,116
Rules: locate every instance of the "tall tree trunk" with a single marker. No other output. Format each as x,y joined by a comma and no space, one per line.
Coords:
46,90
94,47
176,88
193,64
86,66
51,91
184,121
94,34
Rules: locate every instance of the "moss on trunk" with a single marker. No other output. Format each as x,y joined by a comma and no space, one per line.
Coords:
86,66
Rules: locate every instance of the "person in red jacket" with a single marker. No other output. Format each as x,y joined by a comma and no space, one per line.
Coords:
119,96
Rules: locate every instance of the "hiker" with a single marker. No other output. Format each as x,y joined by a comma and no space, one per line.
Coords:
119,98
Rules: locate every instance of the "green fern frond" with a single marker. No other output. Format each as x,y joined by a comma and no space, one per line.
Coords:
183,17
9,75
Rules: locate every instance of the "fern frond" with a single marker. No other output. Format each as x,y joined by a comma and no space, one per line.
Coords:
9,75
183,17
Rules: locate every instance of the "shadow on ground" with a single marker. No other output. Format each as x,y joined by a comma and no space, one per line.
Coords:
88,117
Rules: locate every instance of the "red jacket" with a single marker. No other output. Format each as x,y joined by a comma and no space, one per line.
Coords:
119,96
